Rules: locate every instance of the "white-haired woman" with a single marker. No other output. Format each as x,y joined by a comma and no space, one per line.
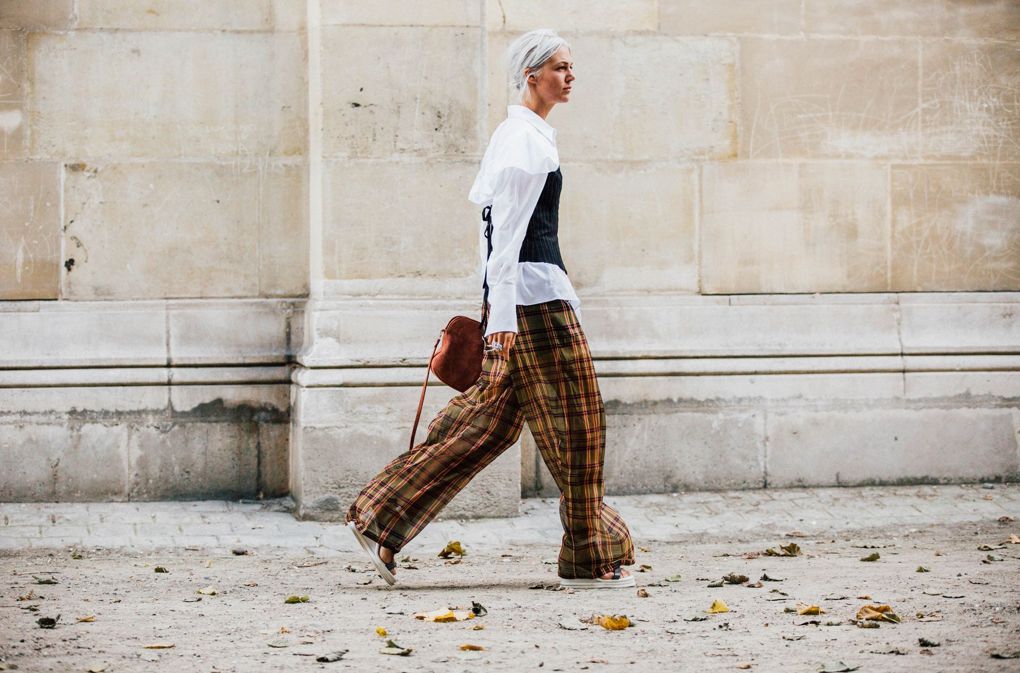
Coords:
537,366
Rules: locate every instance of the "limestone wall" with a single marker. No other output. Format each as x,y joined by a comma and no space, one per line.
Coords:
852,164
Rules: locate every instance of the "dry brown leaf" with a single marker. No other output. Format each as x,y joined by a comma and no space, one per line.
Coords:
158,646
642,593
878,613
471,648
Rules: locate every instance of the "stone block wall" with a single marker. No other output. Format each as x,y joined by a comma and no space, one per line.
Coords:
794,226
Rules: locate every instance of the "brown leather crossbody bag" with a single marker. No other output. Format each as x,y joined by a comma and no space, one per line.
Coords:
457,356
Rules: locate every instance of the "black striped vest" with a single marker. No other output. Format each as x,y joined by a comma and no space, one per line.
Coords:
540,241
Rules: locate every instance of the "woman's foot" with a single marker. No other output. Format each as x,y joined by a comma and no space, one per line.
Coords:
609,575
618,577
387,557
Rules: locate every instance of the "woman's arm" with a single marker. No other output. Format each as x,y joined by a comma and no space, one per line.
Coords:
513,203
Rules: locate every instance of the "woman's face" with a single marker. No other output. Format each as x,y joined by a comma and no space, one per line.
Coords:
553,81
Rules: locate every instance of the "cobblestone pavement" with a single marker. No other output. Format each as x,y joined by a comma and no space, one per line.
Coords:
103,557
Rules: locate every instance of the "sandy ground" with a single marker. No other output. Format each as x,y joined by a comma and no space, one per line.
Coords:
969,604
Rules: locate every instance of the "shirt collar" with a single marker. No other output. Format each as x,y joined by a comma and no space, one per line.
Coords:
529,115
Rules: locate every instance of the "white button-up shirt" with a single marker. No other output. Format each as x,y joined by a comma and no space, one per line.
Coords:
521,154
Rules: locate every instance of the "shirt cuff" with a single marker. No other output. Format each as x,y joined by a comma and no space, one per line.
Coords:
502,310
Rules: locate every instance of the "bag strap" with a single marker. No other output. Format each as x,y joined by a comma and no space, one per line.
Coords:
487,218
424,386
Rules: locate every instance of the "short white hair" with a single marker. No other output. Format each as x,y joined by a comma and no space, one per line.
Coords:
530,52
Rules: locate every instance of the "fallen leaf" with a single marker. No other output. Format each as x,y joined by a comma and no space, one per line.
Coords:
614,622
765,578
453,547
696,618
988,547
644,567
278,642
644,549
158,646
310,564
477,627
922,569
718,606
744,665
924,642
895,650
796,533
207,591
1005,655
792,549
734,578
47,622
837,667
467,647
873,556
880,613
1013,539
160,569
296,599
573,626
30,596
809,610
239,551
331,656
642,593
714,585
380,631
90,618
44,580
393,648
446,615
478,609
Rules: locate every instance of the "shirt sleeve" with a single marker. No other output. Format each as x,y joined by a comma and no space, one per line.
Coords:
513,203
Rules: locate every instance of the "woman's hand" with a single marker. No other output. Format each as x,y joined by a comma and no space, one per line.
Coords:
504,338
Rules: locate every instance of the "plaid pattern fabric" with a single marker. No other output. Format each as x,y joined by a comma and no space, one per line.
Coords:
549,380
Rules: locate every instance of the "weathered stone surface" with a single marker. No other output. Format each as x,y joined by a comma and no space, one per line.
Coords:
193,460
160,94
283,231
155,230
168,15
613,113
400,90
959,323
828,98
794,227
970,95
234,331
29,230
571,17
37,14
890,446
13,120
665,452
417,224
940,18
401,13
626,227
956,227
63,461
694,17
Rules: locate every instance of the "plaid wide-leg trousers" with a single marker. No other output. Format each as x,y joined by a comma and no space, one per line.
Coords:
548,380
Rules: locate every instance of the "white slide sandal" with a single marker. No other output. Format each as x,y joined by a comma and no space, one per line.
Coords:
617,582
381,566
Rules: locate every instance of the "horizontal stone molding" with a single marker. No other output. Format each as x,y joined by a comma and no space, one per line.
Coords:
156,333
142,376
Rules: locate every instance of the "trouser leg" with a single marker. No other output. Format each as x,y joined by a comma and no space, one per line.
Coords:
472,430
559,394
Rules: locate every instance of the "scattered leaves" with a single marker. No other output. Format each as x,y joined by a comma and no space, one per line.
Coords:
718,606
453,547
331,656
445,615
792,549
393,648
878,613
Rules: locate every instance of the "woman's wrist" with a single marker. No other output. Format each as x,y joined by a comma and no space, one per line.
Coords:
500,342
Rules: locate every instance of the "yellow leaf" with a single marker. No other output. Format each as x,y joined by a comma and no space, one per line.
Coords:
445,615
718,606
90,618
207,591
614,622
809,610
453,547
472,648
380,631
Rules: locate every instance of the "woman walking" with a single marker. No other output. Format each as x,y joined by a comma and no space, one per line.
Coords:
536,365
